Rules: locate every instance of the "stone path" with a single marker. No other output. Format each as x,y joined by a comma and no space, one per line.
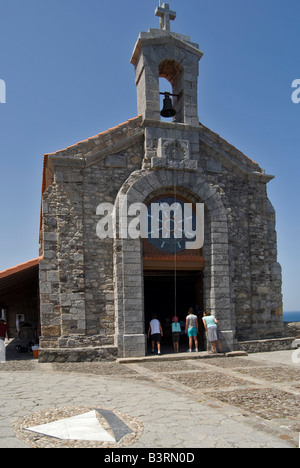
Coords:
219,402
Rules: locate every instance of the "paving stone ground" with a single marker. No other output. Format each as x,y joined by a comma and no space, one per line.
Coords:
221,402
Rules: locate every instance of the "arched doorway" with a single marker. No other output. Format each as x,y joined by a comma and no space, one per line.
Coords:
164,295
173,274
130,261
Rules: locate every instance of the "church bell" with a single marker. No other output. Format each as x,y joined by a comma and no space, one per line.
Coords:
168,109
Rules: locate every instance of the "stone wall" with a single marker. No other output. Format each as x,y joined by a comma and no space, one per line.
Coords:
76,274
292,329
255,273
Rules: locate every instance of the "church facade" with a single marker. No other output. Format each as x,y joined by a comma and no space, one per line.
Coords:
97,292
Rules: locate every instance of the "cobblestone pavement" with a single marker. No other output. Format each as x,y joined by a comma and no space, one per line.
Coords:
220,402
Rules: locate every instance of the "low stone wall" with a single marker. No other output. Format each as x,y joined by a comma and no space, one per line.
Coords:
292,329
78,354
261,346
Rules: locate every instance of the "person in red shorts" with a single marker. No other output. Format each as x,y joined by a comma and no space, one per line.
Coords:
3,330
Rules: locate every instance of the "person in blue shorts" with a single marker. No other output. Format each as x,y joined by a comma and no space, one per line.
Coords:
192,329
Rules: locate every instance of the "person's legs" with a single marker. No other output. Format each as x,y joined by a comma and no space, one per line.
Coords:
196,342
174,343
158,340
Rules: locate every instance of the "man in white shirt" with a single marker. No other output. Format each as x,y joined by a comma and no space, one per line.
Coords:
156,332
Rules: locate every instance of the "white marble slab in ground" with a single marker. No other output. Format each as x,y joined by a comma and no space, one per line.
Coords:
82,427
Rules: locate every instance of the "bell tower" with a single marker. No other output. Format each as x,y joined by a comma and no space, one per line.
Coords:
160,53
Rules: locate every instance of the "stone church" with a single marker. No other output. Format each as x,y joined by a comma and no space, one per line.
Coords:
97,294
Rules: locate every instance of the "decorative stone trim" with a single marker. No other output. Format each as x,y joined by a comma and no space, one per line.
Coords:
164,163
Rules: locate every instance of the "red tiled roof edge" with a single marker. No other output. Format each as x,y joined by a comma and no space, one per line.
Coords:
129,122
20,267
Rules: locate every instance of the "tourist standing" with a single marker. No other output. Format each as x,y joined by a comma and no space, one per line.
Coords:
176,329
192,329
3,335
156,332
19,321
3,330
210,325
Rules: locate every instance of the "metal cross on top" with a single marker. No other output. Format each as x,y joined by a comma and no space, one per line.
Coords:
166,16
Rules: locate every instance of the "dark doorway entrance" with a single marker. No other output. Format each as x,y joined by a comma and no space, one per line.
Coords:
160,298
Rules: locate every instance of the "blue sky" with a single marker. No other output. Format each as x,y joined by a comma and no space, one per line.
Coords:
66,65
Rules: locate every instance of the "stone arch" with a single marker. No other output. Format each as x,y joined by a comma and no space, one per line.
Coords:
170,69
128,258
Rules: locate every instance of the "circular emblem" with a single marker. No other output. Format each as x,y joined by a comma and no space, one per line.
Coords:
170,224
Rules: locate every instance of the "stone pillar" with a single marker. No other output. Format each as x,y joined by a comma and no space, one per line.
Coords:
130,336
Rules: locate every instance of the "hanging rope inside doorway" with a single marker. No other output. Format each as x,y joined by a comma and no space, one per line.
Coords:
175,200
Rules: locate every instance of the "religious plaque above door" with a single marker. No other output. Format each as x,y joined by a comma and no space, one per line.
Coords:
173,154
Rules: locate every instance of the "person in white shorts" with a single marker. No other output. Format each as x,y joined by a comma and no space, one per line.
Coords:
210,324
